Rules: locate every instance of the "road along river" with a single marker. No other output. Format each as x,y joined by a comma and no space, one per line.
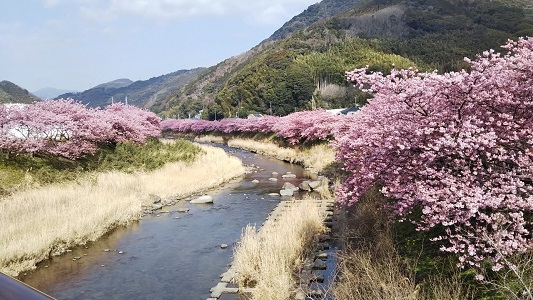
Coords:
168,255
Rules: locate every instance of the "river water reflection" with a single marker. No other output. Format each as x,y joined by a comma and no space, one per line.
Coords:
168,255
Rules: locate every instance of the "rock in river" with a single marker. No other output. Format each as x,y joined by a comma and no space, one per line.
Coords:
286,192
289,175
305,185
289,186
202,200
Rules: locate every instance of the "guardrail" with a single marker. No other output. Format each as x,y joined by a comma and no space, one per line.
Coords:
12,289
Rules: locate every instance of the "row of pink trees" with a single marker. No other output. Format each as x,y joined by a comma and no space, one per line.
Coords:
69,129
305,126
451,151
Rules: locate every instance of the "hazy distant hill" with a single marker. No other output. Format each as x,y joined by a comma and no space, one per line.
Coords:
50,93
12,93
302,64
140,93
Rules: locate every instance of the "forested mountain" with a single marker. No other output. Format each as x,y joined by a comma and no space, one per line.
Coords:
140,93
12,93
298,69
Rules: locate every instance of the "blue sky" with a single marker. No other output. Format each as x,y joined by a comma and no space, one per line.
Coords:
77,44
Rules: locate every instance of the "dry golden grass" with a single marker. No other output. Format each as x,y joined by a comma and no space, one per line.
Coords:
266,259
35,224
363,277
209,139
179,180
372,268
316,157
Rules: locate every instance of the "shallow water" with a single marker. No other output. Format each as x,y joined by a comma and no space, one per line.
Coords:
168,255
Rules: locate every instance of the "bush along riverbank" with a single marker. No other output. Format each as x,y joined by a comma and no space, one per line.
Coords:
447,163
40,221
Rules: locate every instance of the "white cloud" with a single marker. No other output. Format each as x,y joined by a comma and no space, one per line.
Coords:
258,11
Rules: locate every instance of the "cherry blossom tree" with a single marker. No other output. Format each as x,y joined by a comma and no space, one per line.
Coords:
130,123
458,147
69,129
306,126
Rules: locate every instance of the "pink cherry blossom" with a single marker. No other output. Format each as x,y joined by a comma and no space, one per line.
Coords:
456,145
69,129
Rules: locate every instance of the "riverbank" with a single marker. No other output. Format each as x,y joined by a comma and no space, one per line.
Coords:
40,222
265,260
317,157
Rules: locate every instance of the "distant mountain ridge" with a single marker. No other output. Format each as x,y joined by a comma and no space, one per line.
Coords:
117,83
323,10
139,93
50,92
12,93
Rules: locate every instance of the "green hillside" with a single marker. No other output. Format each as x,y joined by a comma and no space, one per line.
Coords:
306,68
12,93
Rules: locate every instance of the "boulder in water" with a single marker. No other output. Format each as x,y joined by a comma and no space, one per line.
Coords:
287,193
202,200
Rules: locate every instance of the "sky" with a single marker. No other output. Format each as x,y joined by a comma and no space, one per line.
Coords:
78,44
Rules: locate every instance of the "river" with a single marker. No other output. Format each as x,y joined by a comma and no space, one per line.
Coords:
168,255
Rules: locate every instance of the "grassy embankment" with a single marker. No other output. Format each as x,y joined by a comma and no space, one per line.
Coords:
40,219
317,157
265,260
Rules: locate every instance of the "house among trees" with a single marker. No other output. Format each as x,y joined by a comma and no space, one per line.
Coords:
254,116
344,111
350,110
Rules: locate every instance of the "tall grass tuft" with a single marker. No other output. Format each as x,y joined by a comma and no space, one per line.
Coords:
266,259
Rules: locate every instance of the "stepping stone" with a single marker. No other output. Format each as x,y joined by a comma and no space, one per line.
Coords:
319,265
322,256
